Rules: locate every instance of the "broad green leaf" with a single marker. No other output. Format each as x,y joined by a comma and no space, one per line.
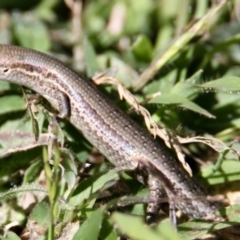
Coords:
188,87
185,89
229,171
11,236
31,32
45,9
91,185
70,171
108,232
196,228
33,171
135,21
166,229
90,58
181,102
139,230
229,84
40,219
164,84
91,227
4,85
142,48
41,214
11,103
124,73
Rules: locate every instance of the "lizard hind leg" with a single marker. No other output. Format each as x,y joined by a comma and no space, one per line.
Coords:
158,198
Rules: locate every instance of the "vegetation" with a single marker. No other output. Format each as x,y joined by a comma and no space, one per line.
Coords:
186,50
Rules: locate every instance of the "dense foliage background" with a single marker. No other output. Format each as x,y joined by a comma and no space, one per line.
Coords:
187,50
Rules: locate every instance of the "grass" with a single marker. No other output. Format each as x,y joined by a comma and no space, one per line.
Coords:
186,50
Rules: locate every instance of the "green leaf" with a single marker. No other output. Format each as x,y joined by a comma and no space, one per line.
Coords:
45,9
188,87
138,229
91,227
166,229
136,22
196,228
228,84
31,32
229,171
185,89
135,228
168,98
41,214
11,236
12,103
70,171
90,58
91,185
108,232
4,85
32,172
125,73
142,48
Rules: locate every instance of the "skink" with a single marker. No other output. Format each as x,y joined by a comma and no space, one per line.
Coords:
124,143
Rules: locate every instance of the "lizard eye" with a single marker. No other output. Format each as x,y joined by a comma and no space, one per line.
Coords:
5,70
